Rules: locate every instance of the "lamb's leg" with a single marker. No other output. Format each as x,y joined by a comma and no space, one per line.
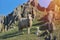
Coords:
37,31
20,30
28,30
5,28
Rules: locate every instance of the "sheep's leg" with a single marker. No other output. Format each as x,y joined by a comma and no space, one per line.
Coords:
5,28
20,30
28,30
37,31
50,37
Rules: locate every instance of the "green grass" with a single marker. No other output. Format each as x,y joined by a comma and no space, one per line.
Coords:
13,34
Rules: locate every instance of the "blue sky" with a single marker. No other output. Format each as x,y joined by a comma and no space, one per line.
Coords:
44,3
7,6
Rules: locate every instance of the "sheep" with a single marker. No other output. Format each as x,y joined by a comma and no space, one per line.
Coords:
1,23
25,23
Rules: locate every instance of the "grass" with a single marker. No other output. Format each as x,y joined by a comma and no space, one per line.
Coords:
13,34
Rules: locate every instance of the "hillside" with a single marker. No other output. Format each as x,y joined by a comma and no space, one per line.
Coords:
13,34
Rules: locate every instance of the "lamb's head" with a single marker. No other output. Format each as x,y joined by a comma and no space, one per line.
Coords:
29,16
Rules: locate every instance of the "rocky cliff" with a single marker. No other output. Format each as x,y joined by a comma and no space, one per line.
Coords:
22,10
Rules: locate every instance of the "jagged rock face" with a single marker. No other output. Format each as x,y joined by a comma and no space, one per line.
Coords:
57,2
23,10
9,19
19,12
